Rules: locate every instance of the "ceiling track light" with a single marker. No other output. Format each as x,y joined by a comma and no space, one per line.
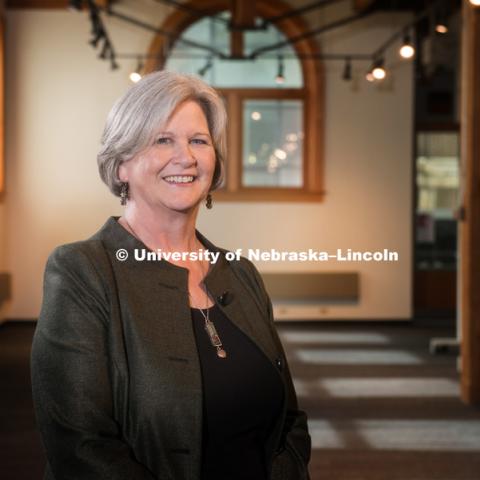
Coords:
441,25
136,75
378,69
407,50
99,33
105,49
113,64
202,71
280,77
377,72
347,71
75,5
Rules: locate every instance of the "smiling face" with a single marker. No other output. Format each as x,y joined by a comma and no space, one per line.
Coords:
176,172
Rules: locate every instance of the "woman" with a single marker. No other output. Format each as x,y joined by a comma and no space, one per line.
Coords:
162,369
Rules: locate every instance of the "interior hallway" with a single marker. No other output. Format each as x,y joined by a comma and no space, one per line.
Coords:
380,405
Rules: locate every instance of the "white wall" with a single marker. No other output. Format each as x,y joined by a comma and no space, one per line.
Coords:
58,95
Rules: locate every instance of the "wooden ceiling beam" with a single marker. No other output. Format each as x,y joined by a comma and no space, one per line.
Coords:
243,16
243,13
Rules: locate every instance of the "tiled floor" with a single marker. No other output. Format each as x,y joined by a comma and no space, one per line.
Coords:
380,405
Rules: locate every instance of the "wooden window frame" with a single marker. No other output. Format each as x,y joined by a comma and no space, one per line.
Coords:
233,189
312,94
2,99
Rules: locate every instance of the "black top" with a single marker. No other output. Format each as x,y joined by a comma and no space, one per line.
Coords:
243,396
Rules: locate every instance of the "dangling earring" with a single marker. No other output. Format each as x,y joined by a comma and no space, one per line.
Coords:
124,193
209,201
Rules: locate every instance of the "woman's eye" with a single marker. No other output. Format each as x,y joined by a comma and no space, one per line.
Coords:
201,141
163,140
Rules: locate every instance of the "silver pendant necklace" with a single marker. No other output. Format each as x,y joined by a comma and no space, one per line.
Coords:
212,332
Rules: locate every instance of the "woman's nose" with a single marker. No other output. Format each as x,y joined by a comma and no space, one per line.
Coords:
184,154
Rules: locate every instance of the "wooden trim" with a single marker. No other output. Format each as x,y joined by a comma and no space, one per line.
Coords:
267,195
2,99
266,93
470,226
437,127
234,142
312,93
5,287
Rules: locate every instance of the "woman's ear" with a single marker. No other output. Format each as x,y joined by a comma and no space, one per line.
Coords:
122,172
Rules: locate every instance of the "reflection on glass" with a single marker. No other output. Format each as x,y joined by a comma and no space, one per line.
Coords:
272,143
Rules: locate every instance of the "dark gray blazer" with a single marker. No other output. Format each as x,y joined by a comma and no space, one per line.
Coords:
115,372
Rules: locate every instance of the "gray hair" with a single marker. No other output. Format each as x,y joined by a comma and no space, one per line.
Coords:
136,116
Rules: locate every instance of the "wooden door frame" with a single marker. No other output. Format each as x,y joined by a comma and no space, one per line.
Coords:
470,222
2,99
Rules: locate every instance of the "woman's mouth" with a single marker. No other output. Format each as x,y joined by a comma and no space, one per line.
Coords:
180,179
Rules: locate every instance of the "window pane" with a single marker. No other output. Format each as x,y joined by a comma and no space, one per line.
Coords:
437,173
437,192
272,143
259,73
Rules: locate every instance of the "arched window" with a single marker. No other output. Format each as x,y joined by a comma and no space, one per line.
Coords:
274,101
